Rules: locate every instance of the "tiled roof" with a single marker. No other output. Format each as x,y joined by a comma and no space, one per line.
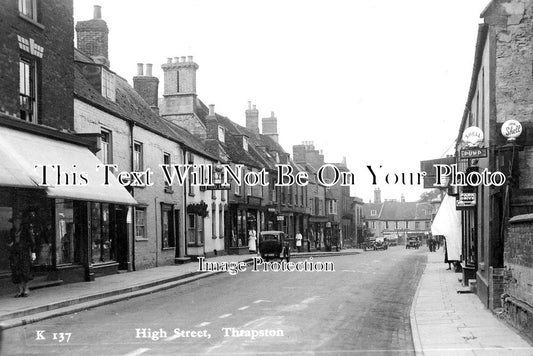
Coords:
368,207
398,211
233,145
129,105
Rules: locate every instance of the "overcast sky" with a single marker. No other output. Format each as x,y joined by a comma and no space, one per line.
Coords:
383,83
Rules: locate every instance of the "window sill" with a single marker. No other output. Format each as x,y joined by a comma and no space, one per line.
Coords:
32,21
168,248
140,239
195,245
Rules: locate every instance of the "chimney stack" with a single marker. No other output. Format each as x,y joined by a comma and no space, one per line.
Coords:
252,118
147,86
270,127
211,109
92,37
97,13
377,196
148,69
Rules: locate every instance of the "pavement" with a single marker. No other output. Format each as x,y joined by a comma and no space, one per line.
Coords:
69,298
445,322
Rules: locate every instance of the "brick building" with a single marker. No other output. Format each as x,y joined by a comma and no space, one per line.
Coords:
37,130
397,218
500,90
170,223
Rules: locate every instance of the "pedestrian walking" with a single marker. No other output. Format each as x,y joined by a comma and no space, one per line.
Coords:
446,254
22,253
252,237
299,241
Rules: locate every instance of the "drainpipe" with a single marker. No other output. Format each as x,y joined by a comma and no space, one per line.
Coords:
132,125
184,224
156,238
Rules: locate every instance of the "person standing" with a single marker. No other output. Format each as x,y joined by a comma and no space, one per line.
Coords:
252,237
22,253
299,238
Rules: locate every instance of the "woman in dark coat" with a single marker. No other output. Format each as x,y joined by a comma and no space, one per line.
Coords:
22,253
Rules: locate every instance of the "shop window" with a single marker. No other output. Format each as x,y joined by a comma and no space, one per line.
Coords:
28,100
137,156
68,246
221,223
213,223
102,247
167,226
28,8
195,229
106,152
140,223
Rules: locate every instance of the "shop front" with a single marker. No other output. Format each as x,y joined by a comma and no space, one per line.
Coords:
242,219
79,231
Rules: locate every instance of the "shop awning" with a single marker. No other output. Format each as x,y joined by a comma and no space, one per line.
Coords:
448,223
21,152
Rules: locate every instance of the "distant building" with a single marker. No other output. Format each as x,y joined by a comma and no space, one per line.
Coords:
398,218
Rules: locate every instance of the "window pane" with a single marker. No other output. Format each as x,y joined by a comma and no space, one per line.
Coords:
65,232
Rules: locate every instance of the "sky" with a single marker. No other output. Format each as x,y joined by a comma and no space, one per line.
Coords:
382,83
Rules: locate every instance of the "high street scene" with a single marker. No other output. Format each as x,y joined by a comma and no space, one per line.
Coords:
233,177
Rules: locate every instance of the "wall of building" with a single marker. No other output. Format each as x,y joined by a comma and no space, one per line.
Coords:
54,33
518,274
88,119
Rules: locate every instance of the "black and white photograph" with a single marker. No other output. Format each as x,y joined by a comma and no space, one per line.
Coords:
253,177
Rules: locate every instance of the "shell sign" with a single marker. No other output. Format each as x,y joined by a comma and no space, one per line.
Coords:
473,136
511,129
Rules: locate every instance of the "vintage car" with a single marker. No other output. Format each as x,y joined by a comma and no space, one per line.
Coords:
274,244
380,244
412,242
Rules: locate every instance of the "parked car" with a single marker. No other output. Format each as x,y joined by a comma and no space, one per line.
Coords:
392,240
274,244
380,244
412,242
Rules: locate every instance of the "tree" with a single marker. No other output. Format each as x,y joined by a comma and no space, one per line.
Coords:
428,196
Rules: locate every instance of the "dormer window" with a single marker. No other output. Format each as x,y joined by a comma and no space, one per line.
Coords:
245,143
373,212
277,157
221,134
108,84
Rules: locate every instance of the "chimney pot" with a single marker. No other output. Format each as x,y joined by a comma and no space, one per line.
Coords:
148,69
254,107
140,69
176,59
189,59
272,114
183,59
249,105
97,14
169,60
211,109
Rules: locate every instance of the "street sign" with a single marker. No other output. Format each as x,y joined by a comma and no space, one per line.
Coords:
217,186
473,152
466,201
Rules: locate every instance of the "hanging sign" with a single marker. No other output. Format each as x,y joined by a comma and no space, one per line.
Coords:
511,129
473,136
466,201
